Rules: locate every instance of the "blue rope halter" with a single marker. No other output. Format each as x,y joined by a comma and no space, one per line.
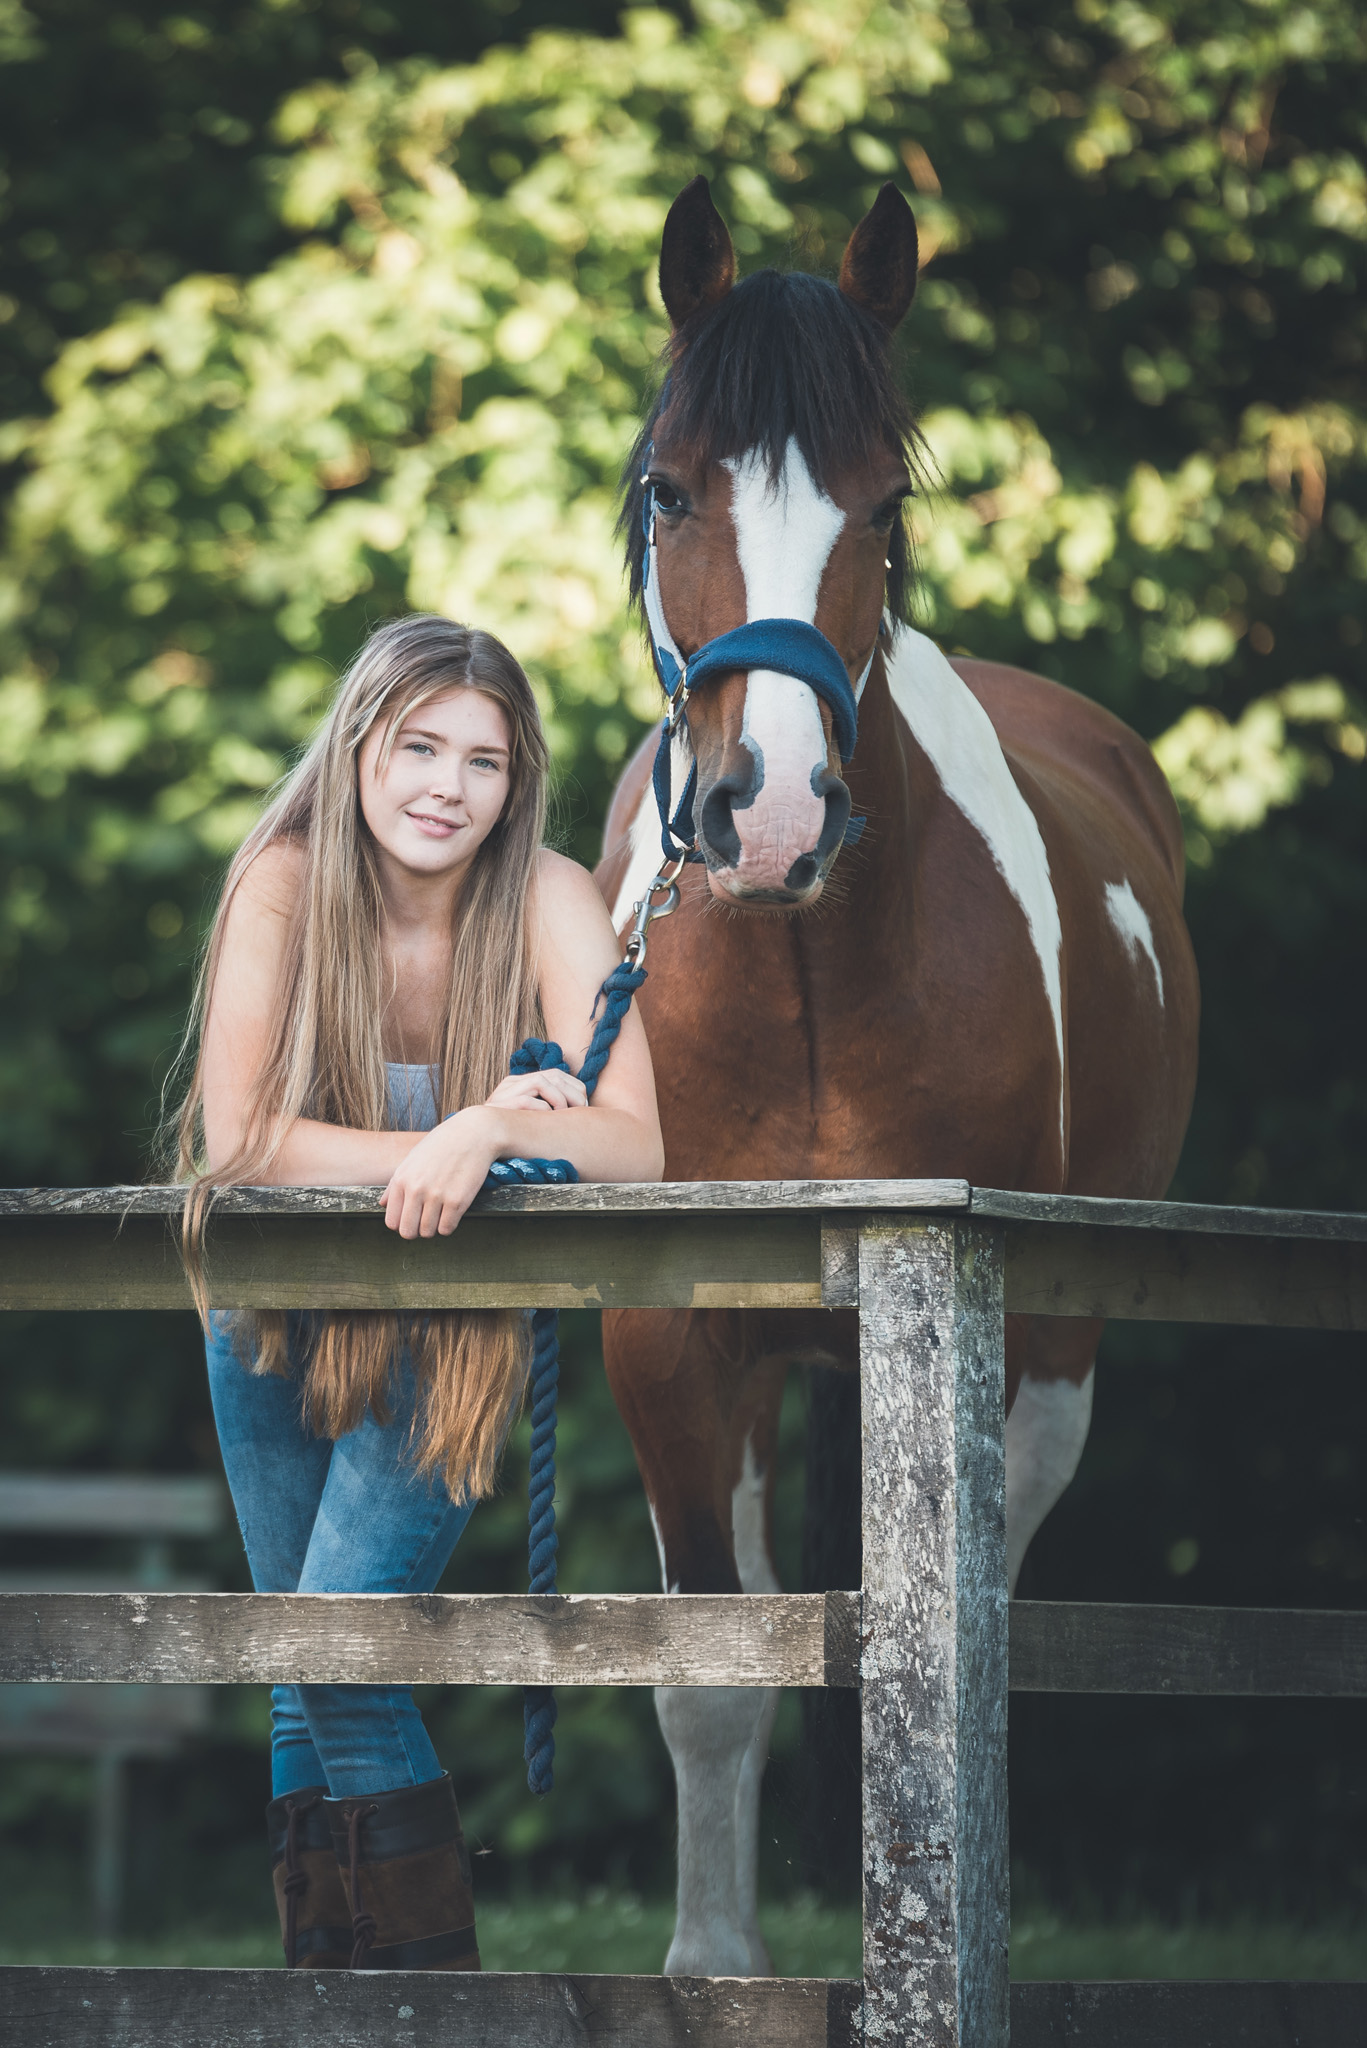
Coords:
788,647
537,1056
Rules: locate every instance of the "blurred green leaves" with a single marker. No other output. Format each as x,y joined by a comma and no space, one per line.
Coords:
1137,348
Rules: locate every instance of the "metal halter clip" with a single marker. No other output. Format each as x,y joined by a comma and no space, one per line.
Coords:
678,704
646,912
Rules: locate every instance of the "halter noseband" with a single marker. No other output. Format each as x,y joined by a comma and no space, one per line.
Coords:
788,647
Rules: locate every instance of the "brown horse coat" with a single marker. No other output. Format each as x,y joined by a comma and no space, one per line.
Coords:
995,983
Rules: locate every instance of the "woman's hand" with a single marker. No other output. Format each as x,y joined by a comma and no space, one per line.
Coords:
429,1193
554,1089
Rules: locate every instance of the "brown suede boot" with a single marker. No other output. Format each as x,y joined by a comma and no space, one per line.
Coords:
315,1920
406,1870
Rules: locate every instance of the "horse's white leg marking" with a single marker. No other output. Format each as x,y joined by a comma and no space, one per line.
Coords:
785,531
755,1568
1045,1433
665,1586
718,1738
958,736
710,1730
647,856
1130,919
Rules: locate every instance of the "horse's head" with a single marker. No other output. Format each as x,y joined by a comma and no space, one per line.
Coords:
770,479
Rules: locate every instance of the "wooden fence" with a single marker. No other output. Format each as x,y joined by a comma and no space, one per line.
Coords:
931,1268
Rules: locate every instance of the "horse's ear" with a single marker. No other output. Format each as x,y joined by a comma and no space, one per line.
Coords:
697,262
879,268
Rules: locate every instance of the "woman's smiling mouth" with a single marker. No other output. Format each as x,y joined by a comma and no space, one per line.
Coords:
436,827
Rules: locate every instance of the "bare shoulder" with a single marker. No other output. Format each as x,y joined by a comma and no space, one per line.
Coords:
567,893
270,887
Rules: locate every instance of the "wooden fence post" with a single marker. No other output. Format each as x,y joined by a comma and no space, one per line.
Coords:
934,1636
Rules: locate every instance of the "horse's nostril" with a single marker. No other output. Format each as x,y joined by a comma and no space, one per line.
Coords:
836,798
802,874
717,826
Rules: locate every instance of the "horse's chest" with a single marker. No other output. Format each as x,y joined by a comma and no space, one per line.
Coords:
787,1070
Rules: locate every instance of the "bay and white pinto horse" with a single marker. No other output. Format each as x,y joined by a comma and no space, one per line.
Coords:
994,983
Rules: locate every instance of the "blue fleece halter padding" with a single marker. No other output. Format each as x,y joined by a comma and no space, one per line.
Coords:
790,647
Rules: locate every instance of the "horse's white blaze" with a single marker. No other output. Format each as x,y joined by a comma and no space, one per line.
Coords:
958,737
1045,1433
785,531
1130,919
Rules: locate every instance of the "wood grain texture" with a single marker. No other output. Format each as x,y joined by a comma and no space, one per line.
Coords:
708,1259
618,1198
1206,1218
933,1623
91,2008
430,1638
1255,1652
51,2007
1144,1274
1221,2015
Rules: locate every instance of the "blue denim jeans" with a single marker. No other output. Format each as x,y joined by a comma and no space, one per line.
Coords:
321,1517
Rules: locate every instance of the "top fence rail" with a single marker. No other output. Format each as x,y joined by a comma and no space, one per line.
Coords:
709,1244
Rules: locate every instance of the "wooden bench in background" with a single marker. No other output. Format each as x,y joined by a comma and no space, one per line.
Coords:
146,1513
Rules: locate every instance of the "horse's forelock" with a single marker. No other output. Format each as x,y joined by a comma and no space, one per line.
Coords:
783,357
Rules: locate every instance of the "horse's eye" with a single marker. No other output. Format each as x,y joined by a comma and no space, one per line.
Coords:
890,508
666,497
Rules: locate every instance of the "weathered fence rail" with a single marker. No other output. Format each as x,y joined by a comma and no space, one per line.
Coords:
931,1268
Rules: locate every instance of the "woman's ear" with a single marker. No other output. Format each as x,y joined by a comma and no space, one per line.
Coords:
878,272
697,261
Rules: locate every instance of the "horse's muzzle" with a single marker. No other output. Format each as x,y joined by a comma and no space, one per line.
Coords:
766,849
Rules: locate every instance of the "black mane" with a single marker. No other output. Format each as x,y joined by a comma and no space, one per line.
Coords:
783,355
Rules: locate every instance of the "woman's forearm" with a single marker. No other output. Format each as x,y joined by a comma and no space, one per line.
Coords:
316,1154
602,1143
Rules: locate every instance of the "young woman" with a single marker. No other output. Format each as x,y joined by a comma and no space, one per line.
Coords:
388,934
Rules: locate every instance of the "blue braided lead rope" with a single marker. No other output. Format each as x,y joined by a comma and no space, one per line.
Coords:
537,1056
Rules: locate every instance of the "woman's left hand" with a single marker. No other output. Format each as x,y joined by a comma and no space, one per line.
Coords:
429,1193
551,1089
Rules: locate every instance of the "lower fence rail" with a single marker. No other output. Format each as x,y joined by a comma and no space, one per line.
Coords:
51,2007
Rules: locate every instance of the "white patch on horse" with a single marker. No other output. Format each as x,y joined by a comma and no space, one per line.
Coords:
646,856
1130,920
785,531
755,1570
713,1732
957,735
660,1547
1045,1434
749,1536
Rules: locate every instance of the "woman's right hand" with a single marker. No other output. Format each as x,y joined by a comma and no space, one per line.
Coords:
553,1089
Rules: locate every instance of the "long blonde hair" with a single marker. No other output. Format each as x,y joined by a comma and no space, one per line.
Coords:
326,1060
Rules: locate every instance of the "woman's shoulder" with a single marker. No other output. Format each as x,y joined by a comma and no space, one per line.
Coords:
570,901
269,884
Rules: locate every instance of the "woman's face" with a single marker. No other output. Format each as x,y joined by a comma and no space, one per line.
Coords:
432,805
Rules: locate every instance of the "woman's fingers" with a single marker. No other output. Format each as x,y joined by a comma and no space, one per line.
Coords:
549,1090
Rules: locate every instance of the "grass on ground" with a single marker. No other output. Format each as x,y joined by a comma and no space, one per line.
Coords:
616,1931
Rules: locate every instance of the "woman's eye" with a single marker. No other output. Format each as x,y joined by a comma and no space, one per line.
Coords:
666,497
483,761
418,747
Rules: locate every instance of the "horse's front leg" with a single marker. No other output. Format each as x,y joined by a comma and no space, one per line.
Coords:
704,1424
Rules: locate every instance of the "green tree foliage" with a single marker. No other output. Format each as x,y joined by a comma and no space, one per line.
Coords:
1137,351
310,318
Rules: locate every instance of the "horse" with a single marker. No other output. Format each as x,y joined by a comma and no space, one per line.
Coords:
992,981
